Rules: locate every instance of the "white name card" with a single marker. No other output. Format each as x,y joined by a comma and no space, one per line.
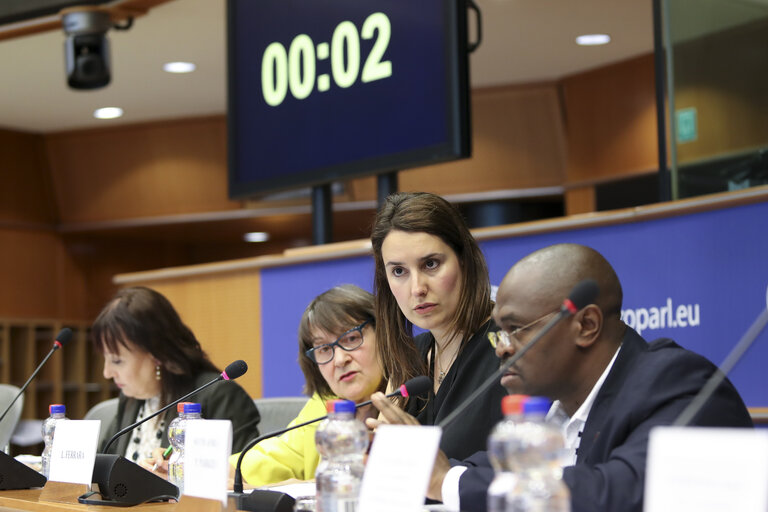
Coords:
399,467
74,451
207,446
698,469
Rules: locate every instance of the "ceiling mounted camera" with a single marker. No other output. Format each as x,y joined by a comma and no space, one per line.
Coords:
86,48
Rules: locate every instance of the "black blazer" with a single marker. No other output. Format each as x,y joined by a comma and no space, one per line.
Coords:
224,400
650,384
477,361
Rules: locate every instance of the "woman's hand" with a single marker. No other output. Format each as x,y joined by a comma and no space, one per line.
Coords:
393,415
390,413
156,463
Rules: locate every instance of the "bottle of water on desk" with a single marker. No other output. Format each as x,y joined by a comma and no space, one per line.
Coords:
540,486
503,451
174,439
346,438
189,411
321,440
57,413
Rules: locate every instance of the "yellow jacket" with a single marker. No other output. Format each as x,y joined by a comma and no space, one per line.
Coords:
290,455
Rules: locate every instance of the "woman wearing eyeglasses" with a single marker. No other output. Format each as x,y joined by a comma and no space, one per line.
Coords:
337,353
430,273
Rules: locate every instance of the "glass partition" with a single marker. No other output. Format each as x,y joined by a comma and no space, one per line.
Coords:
717,79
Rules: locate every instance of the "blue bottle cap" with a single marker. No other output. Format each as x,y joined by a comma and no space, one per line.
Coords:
537,405
192,408
344,406
57,408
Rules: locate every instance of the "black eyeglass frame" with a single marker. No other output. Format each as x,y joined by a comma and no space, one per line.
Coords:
359,328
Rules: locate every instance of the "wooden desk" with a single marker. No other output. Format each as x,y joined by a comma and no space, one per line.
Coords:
59,497
29,499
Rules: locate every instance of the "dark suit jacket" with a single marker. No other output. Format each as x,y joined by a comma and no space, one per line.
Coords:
224,400
650,384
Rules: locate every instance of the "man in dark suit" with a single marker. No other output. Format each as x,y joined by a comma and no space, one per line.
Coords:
610,387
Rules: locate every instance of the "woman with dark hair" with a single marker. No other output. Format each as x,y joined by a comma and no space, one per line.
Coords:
431,273
337,353
155,359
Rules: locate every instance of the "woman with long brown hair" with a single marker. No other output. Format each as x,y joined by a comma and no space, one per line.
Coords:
430,273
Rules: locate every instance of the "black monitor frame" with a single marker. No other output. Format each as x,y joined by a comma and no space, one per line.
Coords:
455,143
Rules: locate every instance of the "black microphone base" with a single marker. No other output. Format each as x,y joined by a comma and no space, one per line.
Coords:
123,483
16,475
261,500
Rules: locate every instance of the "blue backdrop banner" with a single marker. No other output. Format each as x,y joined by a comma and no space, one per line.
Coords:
699,278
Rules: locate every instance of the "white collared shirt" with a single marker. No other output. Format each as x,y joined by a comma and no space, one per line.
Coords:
572,427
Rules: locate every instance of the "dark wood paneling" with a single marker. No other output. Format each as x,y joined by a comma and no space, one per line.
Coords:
611,120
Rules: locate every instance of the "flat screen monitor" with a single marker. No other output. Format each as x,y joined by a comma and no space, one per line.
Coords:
321,90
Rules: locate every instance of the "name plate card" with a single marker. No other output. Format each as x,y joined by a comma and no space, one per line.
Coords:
699,469
74,451
207,447
399,467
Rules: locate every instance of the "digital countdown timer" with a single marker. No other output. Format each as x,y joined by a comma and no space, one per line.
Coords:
296,68
321,90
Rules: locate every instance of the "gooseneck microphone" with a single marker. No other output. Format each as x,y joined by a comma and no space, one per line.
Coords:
733,357
123,483
583,294
414,386
231,372
61,339
14,474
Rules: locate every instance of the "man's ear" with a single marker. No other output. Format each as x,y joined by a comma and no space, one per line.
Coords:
588,323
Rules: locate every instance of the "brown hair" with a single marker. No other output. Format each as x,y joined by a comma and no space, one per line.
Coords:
147,320
333,311
427,213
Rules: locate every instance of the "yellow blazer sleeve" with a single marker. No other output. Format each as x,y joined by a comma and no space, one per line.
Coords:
290,455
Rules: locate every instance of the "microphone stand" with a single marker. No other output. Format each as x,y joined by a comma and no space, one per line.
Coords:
134,425
123,483
14,474
725,368
260,500
495,376
581,295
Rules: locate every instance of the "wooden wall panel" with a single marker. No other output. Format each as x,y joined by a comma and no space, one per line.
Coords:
724,76
152,169
517,143
224,312
611,120
26,195
179,167
39,279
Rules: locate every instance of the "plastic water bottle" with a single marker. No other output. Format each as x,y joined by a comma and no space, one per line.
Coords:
346,438
190,411
540,486
503,448
57,414
321,441
174,441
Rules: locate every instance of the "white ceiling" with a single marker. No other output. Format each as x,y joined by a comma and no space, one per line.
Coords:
523,41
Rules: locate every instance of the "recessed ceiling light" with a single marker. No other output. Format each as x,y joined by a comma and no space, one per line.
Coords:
256,236
593,39
108,113
179,67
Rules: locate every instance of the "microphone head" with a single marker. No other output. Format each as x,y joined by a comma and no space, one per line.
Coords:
582,295
63,337
234,370
416,386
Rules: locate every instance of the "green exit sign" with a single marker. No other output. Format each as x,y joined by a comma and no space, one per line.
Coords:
685,122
